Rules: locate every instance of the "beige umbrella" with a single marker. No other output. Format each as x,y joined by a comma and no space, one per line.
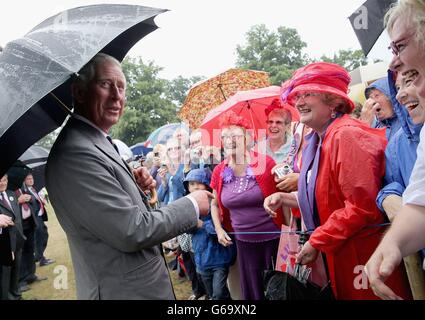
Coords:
208,94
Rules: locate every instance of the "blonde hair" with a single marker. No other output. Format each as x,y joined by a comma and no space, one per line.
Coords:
414,11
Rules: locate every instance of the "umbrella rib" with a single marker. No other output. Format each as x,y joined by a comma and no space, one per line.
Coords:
61,104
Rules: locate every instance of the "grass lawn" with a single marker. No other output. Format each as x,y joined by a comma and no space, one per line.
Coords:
60,284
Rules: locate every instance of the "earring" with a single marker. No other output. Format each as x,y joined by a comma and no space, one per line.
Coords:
333,114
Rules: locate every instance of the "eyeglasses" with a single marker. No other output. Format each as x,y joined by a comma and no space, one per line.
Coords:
234,137
173,148
398,46
305,95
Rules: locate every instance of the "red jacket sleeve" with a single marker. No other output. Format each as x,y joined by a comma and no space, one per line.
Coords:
356,167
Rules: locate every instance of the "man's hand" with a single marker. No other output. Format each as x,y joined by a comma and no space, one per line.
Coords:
307,254
144,179
380,266
5,221
203,198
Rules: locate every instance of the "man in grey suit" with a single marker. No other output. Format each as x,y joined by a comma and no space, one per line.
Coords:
114,238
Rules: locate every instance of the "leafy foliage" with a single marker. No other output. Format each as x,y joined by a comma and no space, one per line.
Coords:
278,53
281,53
349,59
147,105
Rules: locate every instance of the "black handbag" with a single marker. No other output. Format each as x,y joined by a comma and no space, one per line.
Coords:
283,286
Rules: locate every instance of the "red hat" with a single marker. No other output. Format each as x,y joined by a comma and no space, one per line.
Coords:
322,77
230,118
274,105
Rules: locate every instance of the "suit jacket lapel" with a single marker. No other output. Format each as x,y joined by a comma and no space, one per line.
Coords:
6,207
109,151
106,148
101,143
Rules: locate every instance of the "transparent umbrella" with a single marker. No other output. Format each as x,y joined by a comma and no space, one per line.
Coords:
36,70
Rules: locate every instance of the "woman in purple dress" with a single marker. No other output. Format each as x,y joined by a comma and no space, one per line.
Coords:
240,184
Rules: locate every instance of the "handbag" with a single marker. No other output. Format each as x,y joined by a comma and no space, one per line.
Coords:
291,281
283,286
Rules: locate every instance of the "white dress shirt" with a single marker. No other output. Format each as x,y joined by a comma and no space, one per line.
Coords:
415,191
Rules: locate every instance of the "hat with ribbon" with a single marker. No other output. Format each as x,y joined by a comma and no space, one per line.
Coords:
322,77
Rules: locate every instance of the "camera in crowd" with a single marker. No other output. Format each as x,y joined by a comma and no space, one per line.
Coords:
283,171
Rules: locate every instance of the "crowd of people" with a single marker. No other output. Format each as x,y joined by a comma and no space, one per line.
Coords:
24,237
342,175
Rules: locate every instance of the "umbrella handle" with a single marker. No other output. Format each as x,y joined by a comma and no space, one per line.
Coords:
154,197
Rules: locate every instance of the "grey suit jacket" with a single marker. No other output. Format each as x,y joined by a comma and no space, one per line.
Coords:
113,238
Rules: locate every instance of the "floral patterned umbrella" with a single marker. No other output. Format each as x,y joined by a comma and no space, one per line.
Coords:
208,94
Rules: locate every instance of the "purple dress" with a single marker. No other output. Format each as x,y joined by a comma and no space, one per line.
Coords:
244,199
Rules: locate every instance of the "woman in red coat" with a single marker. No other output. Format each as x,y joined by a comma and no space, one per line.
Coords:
341,174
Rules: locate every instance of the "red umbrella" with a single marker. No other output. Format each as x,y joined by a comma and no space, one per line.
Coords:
251,105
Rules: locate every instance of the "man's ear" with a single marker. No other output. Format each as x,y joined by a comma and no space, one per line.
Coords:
78,93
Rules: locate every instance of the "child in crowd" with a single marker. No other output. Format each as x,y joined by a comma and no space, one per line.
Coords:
212,260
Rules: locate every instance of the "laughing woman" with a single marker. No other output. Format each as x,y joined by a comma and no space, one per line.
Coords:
341,173
240,183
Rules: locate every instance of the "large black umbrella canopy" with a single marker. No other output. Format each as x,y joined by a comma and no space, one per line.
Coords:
36,70
368,22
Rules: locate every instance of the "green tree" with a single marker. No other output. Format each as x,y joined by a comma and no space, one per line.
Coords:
48,140
178,88
278,53
147,105
350,59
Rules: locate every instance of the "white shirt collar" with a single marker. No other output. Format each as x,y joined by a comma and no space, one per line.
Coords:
79,117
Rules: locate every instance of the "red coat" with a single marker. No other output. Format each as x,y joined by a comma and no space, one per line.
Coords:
352,165
262,166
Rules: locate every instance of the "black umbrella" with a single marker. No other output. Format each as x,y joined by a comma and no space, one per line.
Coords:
36,70
35,158
368,22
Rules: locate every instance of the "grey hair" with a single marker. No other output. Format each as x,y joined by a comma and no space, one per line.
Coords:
88,72
414,11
